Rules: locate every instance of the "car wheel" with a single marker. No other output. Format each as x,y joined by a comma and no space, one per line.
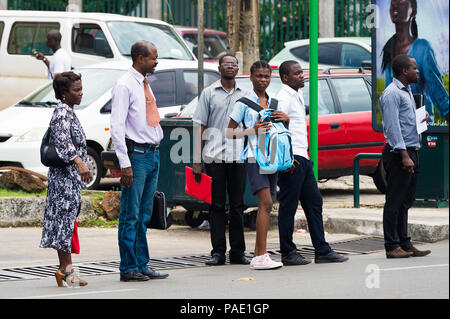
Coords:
95,166
194,218
379,178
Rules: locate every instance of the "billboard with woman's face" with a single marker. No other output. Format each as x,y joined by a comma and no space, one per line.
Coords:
418,28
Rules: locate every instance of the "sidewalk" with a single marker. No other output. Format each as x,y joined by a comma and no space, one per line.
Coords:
425,224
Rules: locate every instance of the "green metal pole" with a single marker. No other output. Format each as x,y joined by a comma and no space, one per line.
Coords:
313,82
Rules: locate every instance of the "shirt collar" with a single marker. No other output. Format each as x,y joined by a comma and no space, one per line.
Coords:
252,95
218,85
400,85
290,90
137,75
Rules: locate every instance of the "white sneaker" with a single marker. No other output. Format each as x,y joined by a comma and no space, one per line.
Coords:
264,262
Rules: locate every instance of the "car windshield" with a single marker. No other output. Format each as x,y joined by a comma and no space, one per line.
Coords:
215,44
169,45
95,83
245,84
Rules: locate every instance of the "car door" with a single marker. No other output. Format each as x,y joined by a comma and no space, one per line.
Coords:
354,101
331,128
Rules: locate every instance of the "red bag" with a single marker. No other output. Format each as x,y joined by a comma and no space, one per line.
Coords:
75,242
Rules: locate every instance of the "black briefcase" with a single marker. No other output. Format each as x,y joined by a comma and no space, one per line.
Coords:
160,219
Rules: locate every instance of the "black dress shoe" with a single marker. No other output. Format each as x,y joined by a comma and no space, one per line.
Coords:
294,258
133,275
154,274
331,257
241,260
216,260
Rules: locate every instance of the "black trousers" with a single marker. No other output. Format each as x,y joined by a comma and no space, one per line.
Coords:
400,193
300,186
227,178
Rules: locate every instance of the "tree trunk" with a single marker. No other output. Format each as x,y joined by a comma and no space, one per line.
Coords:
233,19
250,33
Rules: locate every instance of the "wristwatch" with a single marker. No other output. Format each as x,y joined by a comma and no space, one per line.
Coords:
45,59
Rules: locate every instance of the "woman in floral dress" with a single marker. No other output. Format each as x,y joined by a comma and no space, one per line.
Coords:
65,183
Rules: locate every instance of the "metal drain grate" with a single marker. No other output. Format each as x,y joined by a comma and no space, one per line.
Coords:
362,245
355,246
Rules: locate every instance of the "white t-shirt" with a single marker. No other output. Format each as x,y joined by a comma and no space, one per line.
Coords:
291,102
59,62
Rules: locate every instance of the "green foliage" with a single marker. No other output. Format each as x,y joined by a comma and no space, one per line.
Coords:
437,117
99,223
282,21
48,5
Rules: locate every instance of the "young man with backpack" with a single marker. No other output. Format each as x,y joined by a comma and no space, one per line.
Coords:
262,184
299,183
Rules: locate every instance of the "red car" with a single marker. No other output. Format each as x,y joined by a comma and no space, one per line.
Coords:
345,121
216,42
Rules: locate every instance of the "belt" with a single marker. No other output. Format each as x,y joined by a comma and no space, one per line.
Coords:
409,148
143,145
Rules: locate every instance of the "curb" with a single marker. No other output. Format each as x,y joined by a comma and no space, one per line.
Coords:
29,211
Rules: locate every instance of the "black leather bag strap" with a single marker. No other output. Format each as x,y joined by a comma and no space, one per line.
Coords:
250,104
273,104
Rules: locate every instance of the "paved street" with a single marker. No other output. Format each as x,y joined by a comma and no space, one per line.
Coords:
370,276
364,276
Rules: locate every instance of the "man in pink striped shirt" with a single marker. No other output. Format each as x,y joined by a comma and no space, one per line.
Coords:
136,144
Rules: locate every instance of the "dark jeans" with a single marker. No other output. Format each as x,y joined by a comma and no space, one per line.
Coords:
400,192
227,178
136,207
300,186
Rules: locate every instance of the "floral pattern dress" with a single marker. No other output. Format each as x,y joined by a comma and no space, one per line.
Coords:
64,184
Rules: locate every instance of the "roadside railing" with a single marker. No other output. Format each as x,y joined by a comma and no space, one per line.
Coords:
356,160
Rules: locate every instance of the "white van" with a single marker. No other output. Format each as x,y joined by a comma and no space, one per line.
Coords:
87,37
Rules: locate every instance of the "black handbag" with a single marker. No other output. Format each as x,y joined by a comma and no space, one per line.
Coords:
160,219
49,156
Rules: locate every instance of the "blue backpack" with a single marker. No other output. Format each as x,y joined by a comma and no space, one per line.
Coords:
274,149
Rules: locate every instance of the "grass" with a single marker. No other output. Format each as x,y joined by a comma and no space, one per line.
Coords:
8,193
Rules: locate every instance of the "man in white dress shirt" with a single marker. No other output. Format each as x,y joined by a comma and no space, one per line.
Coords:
60,61
136,134
299,183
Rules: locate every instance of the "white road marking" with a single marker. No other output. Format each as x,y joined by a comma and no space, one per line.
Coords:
414,267
77,294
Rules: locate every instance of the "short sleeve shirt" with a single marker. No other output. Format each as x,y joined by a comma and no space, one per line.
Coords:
213,111
60,62
248,116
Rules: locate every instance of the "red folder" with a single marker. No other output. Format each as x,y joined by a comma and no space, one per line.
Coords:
201,190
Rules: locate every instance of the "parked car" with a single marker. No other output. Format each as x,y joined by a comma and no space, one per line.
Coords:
23,125
87,37
333,52
216,43
345,121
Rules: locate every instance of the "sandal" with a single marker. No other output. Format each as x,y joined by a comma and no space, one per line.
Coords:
69,279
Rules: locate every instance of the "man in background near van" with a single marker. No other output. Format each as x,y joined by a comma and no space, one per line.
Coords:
60,61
